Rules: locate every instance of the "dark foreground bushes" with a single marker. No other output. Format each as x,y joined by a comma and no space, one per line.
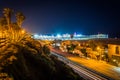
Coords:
36,65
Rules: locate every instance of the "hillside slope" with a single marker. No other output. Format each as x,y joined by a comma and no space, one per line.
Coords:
28,60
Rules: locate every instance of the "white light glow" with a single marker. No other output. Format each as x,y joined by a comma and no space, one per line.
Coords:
117,69
58,35
36,36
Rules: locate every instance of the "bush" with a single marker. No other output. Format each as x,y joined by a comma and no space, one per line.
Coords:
31,65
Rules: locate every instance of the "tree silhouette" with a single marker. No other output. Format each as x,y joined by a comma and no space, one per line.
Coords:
7,13
20,18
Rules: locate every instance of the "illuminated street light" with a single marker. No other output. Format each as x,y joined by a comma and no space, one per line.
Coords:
98,48
23,31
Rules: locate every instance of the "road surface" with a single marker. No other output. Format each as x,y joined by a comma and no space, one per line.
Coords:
88,75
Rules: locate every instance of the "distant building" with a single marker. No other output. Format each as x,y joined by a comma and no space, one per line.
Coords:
70,37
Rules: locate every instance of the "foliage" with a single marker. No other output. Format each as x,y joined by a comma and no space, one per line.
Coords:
64,70
30,65
12,31
92,44
46,49
7,13
73,46
84,52
20,18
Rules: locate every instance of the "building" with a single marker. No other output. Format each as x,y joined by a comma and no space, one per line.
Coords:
114,53
70,37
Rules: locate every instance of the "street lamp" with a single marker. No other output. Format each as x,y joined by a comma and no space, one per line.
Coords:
23,31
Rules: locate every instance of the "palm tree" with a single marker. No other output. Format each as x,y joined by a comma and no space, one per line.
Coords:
3,26
7,13
20,18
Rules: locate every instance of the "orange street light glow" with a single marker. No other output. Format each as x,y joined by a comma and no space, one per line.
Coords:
23,31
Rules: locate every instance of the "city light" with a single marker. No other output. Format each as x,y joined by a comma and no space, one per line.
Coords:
68,37
23,31
58,35
117,69
36,36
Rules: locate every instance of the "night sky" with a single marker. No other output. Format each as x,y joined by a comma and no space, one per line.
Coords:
68,16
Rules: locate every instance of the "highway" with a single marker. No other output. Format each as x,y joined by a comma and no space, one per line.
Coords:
85,73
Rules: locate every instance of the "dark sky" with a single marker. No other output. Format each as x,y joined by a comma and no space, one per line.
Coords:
68,16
